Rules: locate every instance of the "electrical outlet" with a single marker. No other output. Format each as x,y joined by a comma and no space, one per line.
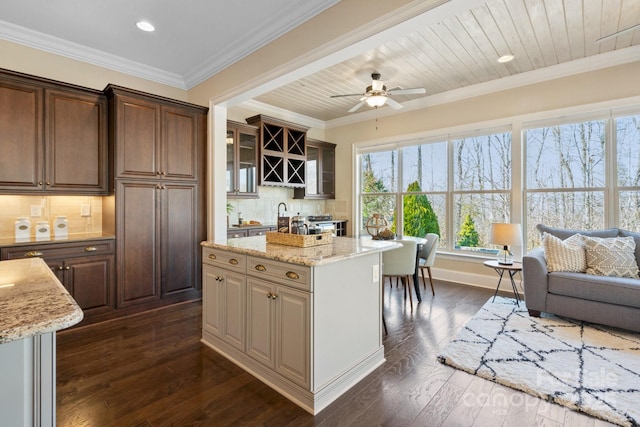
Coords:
375,273
85,210
36,210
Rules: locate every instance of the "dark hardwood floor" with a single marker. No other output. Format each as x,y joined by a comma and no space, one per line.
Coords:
152,370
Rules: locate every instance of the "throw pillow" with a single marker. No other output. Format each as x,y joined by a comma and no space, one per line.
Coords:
564,255
614,256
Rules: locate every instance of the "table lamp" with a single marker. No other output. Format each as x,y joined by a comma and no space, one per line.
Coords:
505,235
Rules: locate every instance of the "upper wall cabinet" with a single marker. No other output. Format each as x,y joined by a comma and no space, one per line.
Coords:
242,160
321,171
282,151
53,137
155,138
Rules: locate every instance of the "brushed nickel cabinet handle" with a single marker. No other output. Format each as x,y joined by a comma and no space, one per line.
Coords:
292,275
67,268
233,261
274,296
60,268
33,254
212,256
39,182
90,249
269,295
260,267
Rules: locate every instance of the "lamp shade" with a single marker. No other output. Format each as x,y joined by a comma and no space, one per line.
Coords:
505,234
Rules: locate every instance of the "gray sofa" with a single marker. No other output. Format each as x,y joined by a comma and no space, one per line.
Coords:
612,301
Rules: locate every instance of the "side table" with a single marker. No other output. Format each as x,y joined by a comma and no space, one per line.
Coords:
512,269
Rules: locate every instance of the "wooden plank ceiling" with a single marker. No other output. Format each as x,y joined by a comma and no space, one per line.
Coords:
463,51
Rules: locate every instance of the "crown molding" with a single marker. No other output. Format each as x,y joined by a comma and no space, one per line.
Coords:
37,40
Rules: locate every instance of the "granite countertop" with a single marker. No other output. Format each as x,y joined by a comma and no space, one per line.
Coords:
33,301
341,248
11,241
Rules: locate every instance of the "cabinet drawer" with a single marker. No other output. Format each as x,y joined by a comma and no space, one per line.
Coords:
228,260
296,276
60,250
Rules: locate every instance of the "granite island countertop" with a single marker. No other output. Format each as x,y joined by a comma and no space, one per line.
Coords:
341,248
33,301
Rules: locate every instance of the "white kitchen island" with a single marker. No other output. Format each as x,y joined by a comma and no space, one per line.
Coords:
33,305
306,321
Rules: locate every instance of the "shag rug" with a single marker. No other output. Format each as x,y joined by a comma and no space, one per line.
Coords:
586,367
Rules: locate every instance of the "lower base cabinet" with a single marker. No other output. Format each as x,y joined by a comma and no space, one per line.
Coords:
85,268
278,328
310,333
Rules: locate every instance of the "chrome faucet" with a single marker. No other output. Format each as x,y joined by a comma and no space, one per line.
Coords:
281,204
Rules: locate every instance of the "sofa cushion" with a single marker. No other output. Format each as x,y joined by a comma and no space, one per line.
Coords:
564,233
612,290
613,256
564,255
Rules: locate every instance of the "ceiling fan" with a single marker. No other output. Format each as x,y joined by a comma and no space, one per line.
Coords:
377,94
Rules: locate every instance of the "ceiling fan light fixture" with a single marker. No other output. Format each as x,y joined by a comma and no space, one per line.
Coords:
145,26
376,101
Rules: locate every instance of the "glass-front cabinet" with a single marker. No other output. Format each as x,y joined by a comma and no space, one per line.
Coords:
242,160
321,171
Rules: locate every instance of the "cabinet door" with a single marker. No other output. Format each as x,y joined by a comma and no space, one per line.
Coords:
224,302
180,238
212,300
293,334
137,229
76,142
21,162
137,136
182,142
261,333
91,282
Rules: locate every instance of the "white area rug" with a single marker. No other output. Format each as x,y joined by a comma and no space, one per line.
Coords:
586,367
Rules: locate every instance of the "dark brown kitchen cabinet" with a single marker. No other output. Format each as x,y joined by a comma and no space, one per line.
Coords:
54,137
242,160
282,151
159,206
321,171
155,137
86,269
159,240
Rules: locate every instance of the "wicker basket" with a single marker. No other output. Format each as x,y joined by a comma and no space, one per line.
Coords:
300,240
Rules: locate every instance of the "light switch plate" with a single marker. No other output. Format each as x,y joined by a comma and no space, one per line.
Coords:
36,210
85,210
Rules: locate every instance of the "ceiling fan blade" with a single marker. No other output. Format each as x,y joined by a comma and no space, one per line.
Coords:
346,94
393,104
355,107
411,91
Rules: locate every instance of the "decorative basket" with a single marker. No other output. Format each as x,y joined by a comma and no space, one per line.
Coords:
300,240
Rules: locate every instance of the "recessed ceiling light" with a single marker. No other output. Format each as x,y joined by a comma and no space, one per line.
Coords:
145,26
505,58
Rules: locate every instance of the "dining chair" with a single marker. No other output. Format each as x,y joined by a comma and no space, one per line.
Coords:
427,257
401,264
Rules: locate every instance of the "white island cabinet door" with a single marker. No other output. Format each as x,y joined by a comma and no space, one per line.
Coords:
293,326
261,332
224,294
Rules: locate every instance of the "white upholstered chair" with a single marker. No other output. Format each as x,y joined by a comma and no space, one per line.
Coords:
427,257
401,264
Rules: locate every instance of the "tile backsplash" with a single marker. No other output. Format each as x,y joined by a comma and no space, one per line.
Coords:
49,207
265,209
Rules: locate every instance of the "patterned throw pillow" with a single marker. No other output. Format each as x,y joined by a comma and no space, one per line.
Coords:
613,256
564,255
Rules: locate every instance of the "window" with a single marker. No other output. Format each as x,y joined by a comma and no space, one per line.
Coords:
565,177
481,188
628,163
581,173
